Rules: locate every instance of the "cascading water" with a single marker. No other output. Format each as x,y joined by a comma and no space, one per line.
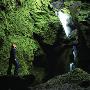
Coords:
72,66
67,23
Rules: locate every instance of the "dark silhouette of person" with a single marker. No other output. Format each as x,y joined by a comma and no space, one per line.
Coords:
13,61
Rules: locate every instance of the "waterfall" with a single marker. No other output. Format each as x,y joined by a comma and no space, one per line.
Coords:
66,20
67,23
74,52
68,26
71,66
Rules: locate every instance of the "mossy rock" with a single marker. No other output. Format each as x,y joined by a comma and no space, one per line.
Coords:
71,80
18,20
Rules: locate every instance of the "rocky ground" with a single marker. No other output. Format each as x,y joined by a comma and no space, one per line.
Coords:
75,80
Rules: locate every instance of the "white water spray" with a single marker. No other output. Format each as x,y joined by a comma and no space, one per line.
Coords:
71,66
65,21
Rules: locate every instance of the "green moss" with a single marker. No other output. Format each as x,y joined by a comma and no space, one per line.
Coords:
17,24
75,77
18,21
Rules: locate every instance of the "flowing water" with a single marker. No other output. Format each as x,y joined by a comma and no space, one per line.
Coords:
67,23
65,20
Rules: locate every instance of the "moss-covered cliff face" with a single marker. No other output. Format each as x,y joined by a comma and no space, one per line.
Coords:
18,20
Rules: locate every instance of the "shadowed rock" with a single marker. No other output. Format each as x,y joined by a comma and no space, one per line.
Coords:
56,56
16,82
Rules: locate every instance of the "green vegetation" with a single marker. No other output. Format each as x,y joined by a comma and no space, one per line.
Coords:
69,80
76,76
18,20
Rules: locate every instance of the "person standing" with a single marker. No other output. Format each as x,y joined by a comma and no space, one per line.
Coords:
13,61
